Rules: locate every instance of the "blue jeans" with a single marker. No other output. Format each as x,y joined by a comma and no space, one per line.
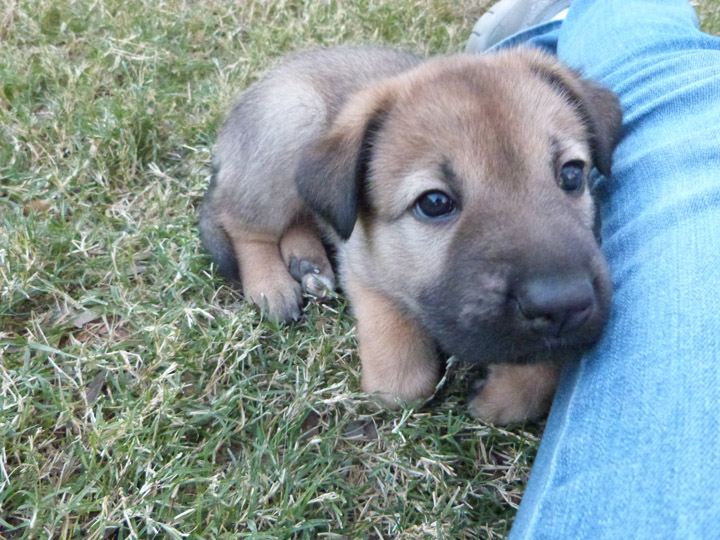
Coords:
632,445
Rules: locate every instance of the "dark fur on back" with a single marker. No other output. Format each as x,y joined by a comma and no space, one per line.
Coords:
214,239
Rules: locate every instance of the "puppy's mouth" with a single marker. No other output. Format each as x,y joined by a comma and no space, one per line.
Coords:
550,347
520,350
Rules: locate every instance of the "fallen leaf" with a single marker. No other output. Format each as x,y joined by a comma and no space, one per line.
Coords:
85,317
36,206
92,392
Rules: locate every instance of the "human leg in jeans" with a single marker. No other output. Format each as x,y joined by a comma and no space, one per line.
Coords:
632,444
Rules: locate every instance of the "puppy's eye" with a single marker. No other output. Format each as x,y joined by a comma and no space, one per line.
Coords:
434,204
572,175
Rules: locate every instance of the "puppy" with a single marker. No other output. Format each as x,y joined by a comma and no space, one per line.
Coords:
456,192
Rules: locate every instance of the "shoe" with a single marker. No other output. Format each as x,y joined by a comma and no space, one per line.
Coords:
509,17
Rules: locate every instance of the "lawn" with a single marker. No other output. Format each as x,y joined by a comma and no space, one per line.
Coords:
139,396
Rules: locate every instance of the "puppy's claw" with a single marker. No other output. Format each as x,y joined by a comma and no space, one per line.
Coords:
280,304
288,312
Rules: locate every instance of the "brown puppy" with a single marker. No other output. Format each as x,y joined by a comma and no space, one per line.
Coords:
456,190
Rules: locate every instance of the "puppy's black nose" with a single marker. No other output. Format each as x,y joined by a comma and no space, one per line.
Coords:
556,306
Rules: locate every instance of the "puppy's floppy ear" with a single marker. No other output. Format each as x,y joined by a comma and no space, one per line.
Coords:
601,110
598,106
333,170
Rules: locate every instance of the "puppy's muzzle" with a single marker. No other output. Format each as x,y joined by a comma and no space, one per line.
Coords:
554,307
533,297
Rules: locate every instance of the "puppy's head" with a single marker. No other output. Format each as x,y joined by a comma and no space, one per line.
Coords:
462,190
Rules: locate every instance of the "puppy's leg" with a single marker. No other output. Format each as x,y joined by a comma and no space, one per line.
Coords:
306,258
264,275
399,361
516,392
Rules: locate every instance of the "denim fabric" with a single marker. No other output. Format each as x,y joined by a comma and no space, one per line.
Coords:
544,36
632,445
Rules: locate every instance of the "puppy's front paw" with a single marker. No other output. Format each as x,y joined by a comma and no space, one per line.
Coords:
395,388
399,359
279,297
515,393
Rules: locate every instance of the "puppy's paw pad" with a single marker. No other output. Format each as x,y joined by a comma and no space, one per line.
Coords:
316,279
317,285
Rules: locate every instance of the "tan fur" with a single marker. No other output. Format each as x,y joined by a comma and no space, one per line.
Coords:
352,139
516,393
302,242
399,361
264,274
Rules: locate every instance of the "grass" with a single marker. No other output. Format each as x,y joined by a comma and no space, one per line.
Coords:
139,397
